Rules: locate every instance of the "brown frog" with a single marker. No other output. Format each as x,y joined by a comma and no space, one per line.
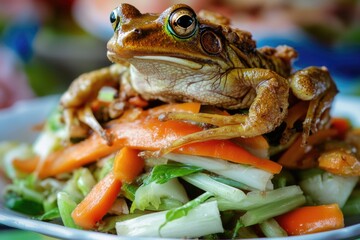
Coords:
178,56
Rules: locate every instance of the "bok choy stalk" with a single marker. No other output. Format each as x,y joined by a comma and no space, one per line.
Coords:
66,205
260,214
151,195
250,176
325,188
15,150
257,199
198,220
219,189
271,228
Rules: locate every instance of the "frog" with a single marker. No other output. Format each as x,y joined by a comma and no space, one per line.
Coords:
183,56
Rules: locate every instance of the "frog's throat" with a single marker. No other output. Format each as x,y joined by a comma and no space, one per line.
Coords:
180,61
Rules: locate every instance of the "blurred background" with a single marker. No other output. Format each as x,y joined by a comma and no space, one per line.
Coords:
45,44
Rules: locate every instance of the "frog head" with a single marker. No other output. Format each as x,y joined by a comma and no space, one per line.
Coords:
176,46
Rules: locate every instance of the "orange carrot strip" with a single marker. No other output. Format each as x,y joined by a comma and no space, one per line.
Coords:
340,162
143,134
342,125
146,134
227,150
127,164
97,203
312,219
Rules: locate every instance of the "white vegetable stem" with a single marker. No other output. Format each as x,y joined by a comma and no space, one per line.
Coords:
219,189
251,176
151,194
202,220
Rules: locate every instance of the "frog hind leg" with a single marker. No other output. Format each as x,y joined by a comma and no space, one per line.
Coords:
75,101
315,85
267,111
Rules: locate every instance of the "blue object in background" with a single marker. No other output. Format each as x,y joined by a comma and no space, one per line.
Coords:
19,36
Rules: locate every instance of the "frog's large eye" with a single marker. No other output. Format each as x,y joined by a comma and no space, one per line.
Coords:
115,18
182,22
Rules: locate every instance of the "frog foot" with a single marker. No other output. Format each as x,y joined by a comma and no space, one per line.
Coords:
314,85
267,112
73,119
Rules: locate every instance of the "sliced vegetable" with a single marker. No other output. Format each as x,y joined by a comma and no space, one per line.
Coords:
163,173
196,223
142,134
260,214
342,125
256,199
183,211
219,189
66,205
341,162
271,228
150,196
85,181
352,205
17,203
326,188
250,176
312,219
97,203
127,164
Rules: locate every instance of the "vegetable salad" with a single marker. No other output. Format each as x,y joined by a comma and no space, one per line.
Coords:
237,188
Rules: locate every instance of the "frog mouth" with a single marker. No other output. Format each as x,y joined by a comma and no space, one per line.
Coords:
175,60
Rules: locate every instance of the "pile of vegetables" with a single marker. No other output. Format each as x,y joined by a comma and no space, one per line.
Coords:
238,188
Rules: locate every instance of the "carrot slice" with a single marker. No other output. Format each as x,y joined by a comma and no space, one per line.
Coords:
312,219
97,203
227,150
143,134
127,164
342,125
340,162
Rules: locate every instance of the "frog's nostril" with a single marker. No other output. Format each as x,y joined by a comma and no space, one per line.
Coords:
137,31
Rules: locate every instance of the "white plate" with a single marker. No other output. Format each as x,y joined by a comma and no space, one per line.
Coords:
16,124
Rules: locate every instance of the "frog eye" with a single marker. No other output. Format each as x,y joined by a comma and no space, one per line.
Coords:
115,18
182,22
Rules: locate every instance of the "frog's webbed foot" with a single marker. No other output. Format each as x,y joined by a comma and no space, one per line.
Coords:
83,90
267,111
316,86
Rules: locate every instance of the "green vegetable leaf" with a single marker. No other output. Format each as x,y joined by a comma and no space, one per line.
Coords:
162,173
15,202
182,211
49,215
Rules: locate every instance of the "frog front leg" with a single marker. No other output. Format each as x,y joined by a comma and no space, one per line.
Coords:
266,112
75,101
315,85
